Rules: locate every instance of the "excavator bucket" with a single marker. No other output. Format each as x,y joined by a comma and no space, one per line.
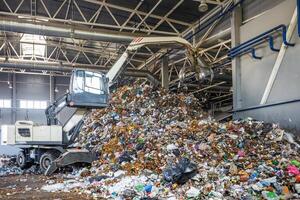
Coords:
70,157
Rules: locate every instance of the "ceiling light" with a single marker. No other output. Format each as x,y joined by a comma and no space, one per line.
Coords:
221,72
10,86
56,90
203,7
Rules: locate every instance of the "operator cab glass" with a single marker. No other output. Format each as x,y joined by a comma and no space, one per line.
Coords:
88,89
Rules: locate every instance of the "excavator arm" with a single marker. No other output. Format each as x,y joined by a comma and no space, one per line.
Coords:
54,109
137,43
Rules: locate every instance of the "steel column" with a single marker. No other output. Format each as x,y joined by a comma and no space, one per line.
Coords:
236,22
51,88
14,99
165,73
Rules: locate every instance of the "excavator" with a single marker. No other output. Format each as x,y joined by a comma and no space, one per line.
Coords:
51,146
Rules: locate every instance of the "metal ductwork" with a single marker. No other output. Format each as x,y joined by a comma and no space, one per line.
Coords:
67,31
67,68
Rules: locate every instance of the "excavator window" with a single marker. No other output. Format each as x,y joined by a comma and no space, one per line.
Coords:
94,83
90,82
78,82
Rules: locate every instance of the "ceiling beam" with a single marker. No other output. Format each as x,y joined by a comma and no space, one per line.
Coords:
137,11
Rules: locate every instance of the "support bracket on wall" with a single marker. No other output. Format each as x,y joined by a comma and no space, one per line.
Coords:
271,44
254,55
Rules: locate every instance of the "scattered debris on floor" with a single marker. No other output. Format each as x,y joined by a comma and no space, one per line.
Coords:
8,167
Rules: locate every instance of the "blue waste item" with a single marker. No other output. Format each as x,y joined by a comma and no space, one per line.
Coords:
277,187
125,157
115,116
176,152
139,146
265,183
241,144
253,176
148,188
114,194
96,125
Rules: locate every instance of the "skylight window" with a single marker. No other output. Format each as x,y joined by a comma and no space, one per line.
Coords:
33,45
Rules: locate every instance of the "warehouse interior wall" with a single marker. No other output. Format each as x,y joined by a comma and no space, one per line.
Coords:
255,73
28,87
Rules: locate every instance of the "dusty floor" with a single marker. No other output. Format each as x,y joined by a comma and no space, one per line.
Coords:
14,187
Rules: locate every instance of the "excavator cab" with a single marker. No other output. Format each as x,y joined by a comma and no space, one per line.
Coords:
88,89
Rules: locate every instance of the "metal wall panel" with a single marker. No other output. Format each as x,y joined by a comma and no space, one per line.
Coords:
255,73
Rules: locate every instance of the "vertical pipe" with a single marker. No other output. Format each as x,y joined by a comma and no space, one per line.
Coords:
51,88
165,73
236,22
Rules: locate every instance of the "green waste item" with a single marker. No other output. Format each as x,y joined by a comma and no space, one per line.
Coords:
270,195
139,187
295,163
141,140
275,162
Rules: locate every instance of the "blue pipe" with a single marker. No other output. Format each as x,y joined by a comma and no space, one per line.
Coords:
246,51
253,40
234,51
250,43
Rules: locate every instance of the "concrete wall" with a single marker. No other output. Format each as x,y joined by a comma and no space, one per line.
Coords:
28,87
255,73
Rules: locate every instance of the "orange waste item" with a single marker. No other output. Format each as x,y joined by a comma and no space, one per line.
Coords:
285,190
298,179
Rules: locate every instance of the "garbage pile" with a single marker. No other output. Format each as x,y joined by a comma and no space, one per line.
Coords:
155,145
8,166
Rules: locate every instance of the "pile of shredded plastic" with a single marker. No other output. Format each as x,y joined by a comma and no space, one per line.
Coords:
155,145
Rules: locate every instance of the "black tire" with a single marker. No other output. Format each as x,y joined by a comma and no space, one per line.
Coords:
46,159
21,160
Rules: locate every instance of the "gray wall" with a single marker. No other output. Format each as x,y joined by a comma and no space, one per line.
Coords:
255,73
28,87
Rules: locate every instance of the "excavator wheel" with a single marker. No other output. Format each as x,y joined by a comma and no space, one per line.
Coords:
21,160
46,159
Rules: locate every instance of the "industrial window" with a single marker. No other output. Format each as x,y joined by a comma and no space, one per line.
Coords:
30,104
33,46
5,103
